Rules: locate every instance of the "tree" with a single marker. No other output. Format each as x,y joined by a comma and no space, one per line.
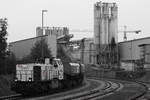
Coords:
3,44
11,63
39,47
3,34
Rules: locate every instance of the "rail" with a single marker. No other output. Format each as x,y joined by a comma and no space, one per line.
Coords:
137,96
11,97
96,93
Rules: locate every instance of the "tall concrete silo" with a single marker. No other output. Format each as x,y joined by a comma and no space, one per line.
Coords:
113,23
105,28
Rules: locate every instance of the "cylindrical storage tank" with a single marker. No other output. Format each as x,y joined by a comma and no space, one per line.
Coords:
105,28
39,32
97,23
113,23
105,24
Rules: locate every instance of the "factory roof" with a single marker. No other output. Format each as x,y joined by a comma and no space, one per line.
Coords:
135,40
27,39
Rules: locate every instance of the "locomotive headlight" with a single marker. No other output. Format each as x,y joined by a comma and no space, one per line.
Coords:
30,79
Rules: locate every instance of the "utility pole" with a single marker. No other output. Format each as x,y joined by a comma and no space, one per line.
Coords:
42,55
125,33
43,18
132,57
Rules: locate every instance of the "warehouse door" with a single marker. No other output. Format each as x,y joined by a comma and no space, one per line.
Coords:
37,73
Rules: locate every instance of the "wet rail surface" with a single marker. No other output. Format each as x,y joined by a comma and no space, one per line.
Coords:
133,89
11,97
95,88
99,89
90,84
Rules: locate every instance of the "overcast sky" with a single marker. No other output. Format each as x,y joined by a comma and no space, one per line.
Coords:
25,15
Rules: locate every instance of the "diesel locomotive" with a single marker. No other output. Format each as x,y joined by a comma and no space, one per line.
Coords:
52,75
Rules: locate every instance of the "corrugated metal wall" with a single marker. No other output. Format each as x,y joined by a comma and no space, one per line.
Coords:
130,50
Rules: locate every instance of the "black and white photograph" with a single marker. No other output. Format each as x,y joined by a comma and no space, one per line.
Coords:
74,50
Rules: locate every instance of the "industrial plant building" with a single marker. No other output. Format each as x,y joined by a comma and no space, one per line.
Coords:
132,53
22,48
129,54
135,52
102,49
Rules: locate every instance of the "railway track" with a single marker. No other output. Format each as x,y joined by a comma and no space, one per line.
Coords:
99,93
110,88
141,95
90,91
11,97
97,89
145,86
91,85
